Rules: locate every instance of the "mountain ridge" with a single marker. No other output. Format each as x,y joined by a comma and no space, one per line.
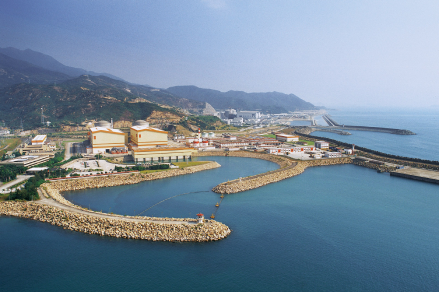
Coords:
48,62
270,102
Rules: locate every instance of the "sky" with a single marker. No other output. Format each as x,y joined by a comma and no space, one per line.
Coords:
330,53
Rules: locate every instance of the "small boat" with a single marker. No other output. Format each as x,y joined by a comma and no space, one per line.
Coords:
213,216
217,205
222,196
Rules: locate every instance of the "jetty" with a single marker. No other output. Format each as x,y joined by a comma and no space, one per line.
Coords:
288,168
425,175
56,210
333,125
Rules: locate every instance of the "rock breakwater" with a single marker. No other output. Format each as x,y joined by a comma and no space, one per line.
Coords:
62,212
209,231
256,181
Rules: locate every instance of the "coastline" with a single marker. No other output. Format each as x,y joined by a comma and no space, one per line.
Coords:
56,210
288,168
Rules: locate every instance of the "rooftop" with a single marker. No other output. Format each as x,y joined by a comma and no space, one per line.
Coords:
39,138
147,128
101,129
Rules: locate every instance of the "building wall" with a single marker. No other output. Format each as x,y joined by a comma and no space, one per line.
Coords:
145,155
101,141
148,137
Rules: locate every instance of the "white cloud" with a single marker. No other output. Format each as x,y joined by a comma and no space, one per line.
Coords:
216,4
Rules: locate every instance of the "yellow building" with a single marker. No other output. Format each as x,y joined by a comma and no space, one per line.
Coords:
165,154
144,136
151,144
39,140
104,139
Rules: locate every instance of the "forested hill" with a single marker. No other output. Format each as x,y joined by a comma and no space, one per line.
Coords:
13,71
73,101
272,102
49,63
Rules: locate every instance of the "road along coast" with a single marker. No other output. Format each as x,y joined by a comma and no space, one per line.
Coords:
288,168
55,209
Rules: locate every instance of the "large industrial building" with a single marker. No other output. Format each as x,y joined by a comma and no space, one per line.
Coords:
287,138
151,144
144,136
104,139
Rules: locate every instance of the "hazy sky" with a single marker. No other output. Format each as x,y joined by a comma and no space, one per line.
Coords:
327,52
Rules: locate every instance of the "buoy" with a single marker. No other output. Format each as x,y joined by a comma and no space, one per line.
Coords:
217,205
213,216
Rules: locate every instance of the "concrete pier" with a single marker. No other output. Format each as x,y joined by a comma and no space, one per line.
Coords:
333,125
417,174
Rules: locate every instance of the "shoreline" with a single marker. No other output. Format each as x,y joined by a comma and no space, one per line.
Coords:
56,210
288,168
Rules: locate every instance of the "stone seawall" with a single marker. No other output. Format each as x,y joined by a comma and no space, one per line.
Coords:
288,168
124,179
257,181
209,231
280,160
377,167
64,213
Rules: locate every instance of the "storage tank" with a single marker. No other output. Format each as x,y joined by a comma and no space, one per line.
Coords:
141,123
211,134
204,135
103,124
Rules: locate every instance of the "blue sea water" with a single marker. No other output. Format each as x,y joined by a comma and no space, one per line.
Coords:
423,122
336,228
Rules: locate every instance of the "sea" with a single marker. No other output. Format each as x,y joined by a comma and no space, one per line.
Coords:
333,228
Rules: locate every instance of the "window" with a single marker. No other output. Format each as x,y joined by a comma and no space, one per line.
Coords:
94,137
140,135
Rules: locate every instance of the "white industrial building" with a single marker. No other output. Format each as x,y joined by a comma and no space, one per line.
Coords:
39,140
333,154
287,138
322,145
247,115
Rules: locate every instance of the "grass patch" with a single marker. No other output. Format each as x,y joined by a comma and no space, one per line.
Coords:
189,163
3,197
270,136
310,143
11,144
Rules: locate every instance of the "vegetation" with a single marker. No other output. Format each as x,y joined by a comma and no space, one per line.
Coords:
309,143
189,163
270,102
202,122
9,172
29,192
8,145
75,100
142,168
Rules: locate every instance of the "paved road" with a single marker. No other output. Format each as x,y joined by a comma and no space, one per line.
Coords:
19,179
50,202
67,153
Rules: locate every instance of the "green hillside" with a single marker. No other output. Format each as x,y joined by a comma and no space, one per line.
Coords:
71,102
13,71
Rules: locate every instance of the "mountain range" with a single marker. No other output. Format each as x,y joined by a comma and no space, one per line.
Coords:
30,80
47,62
270,102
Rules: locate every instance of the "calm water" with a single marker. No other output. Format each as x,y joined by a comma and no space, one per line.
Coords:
337,228
424,122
